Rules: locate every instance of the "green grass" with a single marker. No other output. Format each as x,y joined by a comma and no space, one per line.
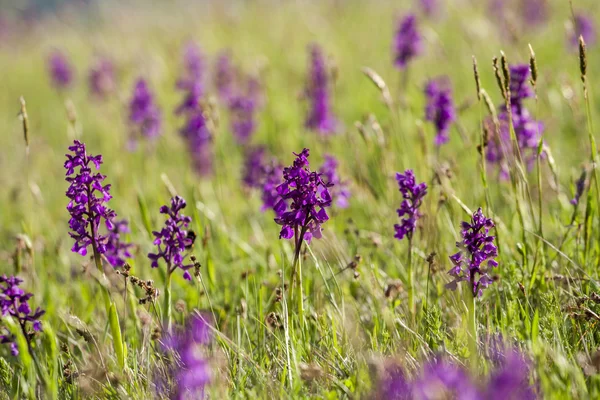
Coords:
543,300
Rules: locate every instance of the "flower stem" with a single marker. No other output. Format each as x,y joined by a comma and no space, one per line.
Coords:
168,295
297,270
411,291
472,329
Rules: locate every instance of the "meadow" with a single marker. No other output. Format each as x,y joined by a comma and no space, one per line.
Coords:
438,239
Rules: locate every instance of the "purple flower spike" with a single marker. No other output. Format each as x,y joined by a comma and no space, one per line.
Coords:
190,371
320,117
60,70
579,188
243,118
192,81
224,75
394,384
440,108
443,380
117,251
254,167
584,26
199,143
476,255
413,195
144,114
339,191
101,78
511,379
173,240
88,198
408,43
308,197
14,302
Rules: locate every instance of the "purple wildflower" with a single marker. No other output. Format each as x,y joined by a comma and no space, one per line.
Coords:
14,302
254,167
475,256
579,188
60,70
429,7
88,198
117,251
413,195
320,116
173,240
190,370
394,384
443,380
583,26
243,118
534,12
440,108
307,195
339,191
527,130
199,143
224,75
101,78
270,195
407,42
263,173
192,81
144,114
511,380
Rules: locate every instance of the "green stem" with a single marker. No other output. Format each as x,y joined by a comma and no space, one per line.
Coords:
472,329
411,291
167,305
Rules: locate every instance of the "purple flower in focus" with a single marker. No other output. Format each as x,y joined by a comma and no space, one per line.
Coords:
320,116
88,198
173,240
408,42
304,197
60,70
14,302
189,370
440,108
224,75
511,380
117,251
101,78
583,26
144,114
476,255
199,142
413,195
339,191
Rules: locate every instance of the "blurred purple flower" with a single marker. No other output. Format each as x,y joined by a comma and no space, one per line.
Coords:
407,41
224,75
190,370
61,71
476,255
440,108
307,195
583,26
14,302
393,385
339,191
192,80
243,118
413,195
320,116
430,7
199,143
144,114
443,380
254,167
101,78
533,12
117,251
173,240
510,381
579,188
88,198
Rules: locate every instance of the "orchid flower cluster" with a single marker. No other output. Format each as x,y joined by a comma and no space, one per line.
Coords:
14,303
101,78
413,195
320,116
304,197
476,255
144,115
440,108
61,71
408,42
